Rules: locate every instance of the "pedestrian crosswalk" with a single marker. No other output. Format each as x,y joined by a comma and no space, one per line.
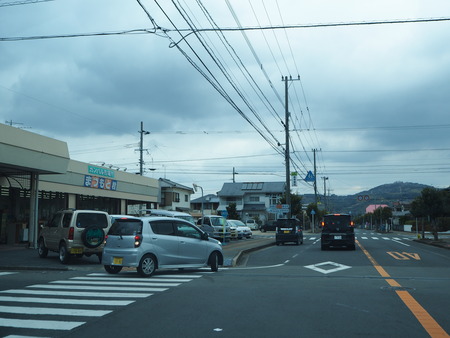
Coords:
58,306
368,237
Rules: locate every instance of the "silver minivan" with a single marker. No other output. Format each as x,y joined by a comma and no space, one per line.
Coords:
150,243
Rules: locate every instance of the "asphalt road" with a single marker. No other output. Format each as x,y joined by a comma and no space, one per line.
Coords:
390,286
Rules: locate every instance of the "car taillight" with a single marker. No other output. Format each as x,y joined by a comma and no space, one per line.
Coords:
323,224
106,237
352,224
137,241
71,232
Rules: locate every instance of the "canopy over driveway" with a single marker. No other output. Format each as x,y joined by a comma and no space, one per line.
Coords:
23,157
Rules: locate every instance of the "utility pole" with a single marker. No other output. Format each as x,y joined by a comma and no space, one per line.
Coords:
141,150
234,173
286,154
325,191
315,177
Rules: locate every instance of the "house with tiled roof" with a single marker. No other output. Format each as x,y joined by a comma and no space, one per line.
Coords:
174,196
252,199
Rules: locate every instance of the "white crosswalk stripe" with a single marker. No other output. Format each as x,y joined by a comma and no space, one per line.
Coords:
75,297
375,238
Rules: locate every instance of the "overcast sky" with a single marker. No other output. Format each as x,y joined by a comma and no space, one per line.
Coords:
374,100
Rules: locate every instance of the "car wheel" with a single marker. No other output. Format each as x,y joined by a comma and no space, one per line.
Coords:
63,254
147,265
112,268
93,237
214,262
42,249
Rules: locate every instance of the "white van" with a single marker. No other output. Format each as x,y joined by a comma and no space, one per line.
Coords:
166,213
251,223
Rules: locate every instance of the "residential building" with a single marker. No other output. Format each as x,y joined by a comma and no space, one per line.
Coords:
252,199
174,196
209,203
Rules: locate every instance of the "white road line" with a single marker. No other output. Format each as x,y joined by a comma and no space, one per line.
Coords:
53,311
364,238
134,279
79,294
386,238
312,238
99,288
17,336
7,273
128,276
400,243
376,238
39,324
114,283
66,301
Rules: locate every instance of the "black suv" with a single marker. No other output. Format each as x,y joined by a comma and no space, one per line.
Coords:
288,230
337,232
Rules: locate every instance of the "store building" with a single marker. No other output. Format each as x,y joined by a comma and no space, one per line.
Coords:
37,178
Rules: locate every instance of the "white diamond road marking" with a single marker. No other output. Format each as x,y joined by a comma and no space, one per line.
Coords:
96,287
317,267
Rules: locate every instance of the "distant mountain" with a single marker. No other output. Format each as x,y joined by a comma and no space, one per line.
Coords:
387,194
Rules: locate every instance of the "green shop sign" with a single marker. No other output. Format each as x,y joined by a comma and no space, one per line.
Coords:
100,171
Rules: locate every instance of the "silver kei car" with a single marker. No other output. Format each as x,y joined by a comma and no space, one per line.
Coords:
150,243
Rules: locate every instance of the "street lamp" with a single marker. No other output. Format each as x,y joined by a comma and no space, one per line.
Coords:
195,189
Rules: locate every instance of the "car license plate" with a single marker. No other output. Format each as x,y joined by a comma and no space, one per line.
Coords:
117,260
337,237
76,251
286,231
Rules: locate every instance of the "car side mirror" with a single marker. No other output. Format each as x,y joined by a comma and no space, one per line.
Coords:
204,236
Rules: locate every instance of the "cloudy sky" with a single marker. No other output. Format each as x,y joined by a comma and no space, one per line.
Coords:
205,78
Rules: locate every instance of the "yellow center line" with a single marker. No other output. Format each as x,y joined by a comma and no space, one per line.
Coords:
424,318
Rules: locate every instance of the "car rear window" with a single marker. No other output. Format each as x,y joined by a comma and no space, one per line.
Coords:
85,220
126,227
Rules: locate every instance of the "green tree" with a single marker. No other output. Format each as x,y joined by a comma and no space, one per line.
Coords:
232,211
433,206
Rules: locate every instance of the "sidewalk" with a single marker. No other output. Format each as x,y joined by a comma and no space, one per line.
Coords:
20,257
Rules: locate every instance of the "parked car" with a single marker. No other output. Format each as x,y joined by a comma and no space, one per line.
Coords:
216,227
337,232
289,230
74,233
269,226
241,228
150,243
251,223
167,213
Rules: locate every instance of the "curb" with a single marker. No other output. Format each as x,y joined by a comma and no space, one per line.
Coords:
439,244
243,252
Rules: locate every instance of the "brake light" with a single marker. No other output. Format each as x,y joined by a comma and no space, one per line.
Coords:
323,224
352,224
137,241
71,233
